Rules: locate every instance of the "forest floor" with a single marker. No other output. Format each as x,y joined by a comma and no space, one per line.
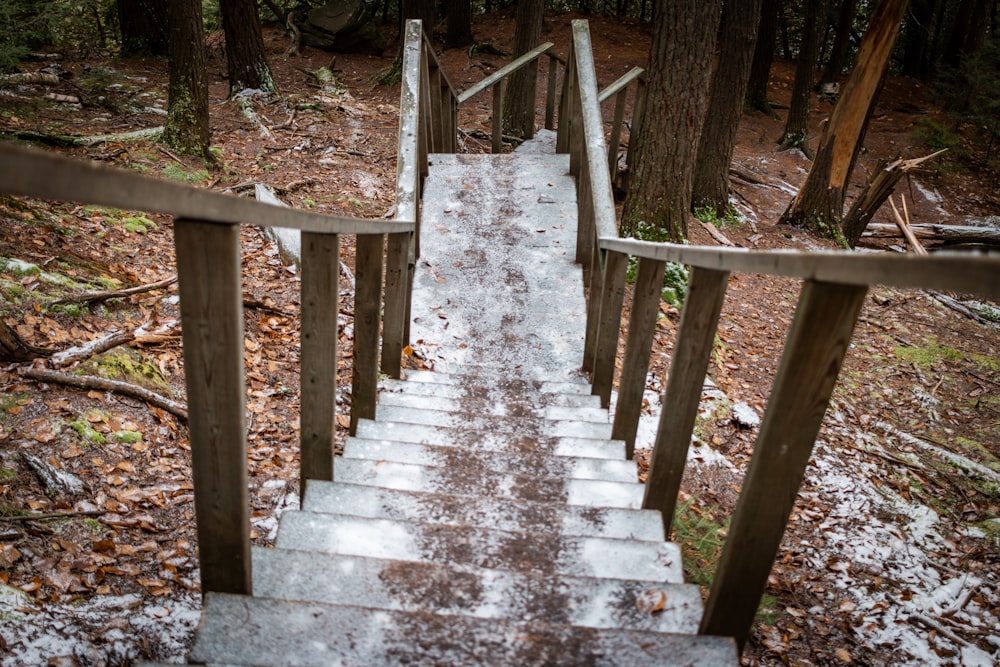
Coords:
892,553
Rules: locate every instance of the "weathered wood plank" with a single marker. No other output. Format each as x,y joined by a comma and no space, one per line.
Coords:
695,337
37,173
616,131
318,379
610,299
620,84
550,94
815,349
367,310
397,289
638,344
504,72
959,272
566,102
595,288
408,166
208,267
497,136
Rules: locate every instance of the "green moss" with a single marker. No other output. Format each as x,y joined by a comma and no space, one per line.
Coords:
728,218
7,473
87,432
17,268
127,437
123,363
71,309
925,357
139,224
11,401
95,526
176,172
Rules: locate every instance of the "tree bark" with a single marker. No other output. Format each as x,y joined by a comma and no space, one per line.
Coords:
143,26
459,23
186,129
248,68
418,9
820,202
763,56
679,69
917,39
519,97
715,149
796,132
838,55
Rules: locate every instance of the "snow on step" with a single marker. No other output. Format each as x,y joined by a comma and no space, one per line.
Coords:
237,630
554,422
535,464
431,587
538,553
452,398
483,512
410,477
588,446
568,383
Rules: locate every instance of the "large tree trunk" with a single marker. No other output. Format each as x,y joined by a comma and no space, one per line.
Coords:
725,105
519,96
143,25
418,9
796,133
917,39
187,114
248,68
763,56
838,55
679,69
820,202
459,23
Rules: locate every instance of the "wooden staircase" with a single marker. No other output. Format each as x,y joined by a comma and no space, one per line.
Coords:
485,516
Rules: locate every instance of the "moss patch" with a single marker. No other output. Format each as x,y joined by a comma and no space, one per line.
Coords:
127,365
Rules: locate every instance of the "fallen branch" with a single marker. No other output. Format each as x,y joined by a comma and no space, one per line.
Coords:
68,141
13,348
938,232
960,307
53,479
52,515
930,624
97,297
714,232
904,226
246,108
23,78
175,408
87,350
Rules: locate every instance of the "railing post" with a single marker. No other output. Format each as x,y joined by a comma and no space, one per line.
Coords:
318,356
616,132
595,290
550,94
367,309
566,102
814,352
498,116
208,266
397,288
646,297
611,298
692,349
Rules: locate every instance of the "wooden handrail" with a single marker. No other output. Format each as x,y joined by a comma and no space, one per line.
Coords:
959,272
503,72
39,173
620,84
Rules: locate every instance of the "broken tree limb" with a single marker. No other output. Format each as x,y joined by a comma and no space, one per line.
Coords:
876,191
23,78
53,479
175,408
961,308
52,515
904,226
87,350
938,232
97,297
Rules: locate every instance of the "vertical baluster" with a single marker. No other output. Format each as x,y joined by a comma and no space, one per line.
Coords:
550,94
396,291
367,308
616,132
208,265
641,327
695,337
594,291
318,386
566,102
498,116
814,352
611,297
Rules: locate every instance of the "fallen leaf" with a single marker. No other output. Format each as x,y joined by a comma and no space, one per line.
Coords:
651,601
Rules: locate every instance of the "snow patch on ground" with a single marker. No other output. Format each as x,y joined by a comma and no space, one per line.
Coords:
105,630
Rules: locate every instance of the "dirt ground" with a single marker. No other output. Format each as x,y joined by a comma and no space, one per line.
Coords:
893,550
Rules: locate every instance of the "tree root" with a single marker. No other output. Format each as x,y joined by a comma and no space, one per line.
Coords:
175,408
97,297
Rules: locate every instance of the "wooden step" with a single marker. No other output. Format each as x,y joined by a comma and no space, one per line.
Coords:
437,588
482,512
538,552
589,447
237,630
455,398
518,462
554,421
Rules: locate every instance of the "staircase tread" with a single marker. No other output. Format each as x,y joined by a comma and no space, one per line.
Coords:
452,398
519,461
435,587
541,552
550,425
569,382
239,630
486,512
415,477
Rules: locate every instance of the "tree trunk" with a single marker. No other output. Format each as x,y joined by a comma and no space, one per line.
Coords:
459,23
418,9
248,68
715,149
838,55
796,133
959,36
187,91
763,56
917,36
143,26
820,202
679,70
519,95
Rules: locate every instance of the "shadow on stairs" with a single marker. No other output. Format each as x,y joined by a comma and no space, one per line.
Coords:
485,517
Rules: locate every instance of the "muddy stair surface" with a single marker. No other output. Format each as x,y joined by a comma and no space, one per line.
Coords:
485,517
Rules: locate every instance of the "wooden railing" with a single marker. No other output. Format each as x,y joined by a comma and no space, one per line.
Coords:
833,290
206,233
